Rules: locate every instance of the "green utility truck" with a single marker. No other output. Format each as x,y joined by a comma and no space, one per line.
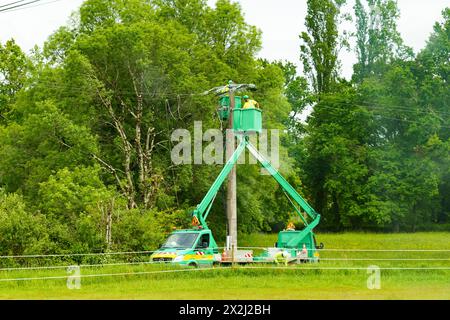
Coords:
191,247
197,247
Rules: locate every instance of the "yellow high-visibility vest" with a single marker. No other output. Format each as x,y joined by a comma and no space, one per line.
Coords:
250,104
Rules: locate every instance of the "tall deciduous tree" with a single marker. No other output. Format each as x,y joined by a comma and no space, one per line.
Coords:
434,71
42,142
335,163
378,41
433,74
381,161
298,94
320,43
132,73
14,66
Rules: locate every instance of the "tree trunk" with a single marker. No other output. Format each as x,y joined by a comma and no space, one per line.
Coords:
109,214
396,226
414,219
139,150
127,148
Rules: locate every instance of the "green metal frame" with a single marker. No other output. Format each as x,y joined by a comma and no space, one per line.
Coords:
203,209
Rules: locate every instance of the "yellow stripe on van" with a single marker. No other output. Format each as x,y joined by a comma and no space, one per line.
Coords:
198,257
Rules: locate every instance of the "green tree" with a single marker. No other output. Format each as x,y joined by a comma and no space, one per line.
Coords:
377,40
223,29
139,88
432,72
14,68
22,231
299,96
44,141
405,177
336,159
68,193
133,77
320,43
375,154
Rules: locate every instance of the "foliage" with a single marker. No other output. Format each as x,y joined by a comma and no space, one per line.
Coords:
68,193
375,151
86,123
89,138
22,232
14,69
44,141
320,43
378,41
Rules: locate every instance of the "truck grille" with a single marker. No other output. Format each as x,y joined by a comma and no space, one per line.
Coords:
162,259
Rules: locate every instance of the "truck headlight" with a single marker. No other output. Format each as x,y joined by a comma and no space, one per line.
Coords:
178,258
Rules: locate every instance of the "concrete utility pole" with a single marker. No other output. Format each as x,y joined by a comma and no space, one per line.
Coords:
231,185
231,205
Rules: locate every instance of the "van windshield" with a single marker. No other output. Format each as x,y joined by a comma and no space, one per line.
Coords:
180,241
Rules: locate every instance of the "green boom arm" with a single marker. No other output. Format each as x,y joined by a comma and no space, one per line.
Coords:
283,183
202,210
315,217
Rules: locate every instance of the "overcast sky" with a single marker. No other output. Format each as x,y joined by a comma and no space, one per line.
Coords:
281,21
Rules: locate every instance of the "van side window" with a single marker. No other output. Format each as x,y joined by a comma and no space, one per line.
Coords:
204,241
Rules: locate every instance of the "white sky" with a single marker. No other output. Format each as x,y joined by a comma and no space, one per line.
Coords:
281,21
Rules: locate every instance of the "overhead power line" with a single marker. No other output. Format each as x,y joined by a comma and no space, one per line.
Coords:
23,6
10,4
17,6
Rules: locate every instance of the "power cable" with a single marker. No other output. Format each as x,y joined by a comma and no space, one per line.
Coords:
23,6
382,116
75,254
10,4
19,5
376,107
219,268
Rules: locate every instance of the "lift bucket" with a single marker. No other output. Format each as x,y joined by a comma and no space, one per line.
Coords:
224,106
247,120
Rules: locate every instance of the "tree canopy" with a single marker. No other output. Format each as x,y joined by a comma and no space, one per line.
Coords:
86,124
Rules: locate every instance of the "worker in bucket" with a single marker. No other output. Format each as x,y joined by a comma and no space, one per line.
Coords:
249,103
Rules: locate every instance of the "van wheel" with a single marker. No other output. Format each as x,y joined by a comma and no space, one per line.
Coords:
193,265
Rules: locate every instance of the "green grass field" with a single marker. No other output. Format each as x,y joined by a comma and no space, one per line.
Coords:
306,281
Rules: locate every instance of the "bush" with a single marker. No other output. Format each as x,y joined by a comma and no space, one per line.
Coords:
21,231
136,231
68,193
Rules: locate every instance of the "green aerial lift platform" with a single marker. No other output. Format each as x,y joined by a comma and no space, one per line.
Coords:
197,247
